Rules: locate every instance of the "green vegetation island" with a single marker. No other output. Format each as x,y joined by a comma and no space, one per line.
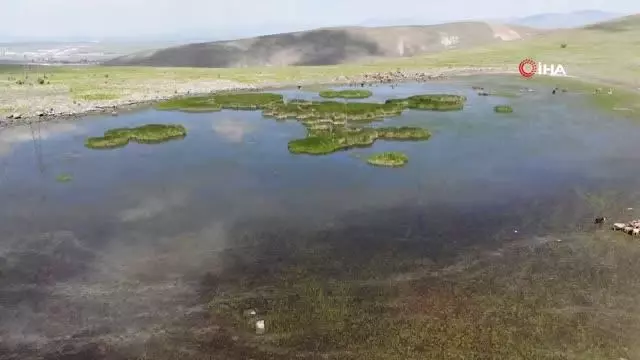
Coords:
313,112
63,178
436,102
346,94
217,102
273,105
322,143
388,159
503,109
328,114
146,134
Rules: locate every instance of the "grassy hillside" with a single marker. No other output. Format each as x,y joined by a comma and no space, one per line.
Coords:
608,51
329,46
565,20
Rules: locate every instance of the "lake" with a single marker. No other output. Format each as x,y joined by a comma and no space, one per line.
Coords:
137,240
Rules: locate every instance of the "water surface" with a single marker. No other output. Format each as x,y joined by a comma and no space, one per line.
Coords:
125,243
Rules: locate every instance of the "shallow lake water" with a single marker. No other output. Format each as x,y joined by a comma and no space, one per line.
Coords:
124,244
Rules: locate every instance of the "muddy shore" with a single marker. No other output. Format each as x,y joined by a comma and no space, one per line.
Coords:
48,108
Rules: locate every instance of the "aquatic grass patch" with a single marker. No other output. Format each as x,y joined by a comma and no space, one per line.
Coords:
189,104
403,133
63,178
106,142
389,159
346,94
326,142
435,102
330,143
503,109
247,101
217,102
146,134
309,111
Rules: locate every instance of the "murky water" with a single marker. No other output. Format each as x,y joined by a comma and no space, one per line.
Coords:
123,246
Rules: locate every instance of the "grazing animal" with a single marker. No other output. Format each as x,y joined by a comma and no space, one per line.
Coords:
554,91
610,92
299,87
618,226
598,91
600,220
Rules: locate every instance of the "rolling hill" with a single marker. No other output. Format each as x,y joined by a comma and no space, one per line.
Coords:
607,51
564,20
329,46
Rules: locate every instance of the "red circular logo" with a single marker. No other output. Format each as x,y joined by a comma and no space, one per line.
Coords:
527,68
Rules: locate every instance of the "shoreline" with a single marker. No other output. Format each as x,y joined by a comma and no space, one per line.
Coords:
132,102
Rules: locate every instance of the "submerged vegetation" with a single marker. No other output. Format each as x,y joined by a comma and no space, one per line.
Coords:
548,301
504,109
322,143
146,134
346,94
391,159
216,102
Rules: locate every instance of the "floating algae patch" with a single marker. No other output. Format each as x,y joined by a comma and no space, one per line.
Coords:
346,94
437,102
389,158
307,111
217,102
146,134
503,109
322,143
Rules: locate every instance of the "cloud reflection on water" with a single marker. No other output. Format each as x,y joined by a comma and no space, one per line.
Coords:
234,130
10,137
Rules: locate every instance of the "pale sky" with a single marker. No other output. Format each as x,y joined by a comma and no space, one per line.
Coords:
100,18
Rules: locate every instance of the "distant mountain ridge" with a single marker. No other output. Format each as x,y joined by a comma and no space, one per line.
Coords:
330,46
564,20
